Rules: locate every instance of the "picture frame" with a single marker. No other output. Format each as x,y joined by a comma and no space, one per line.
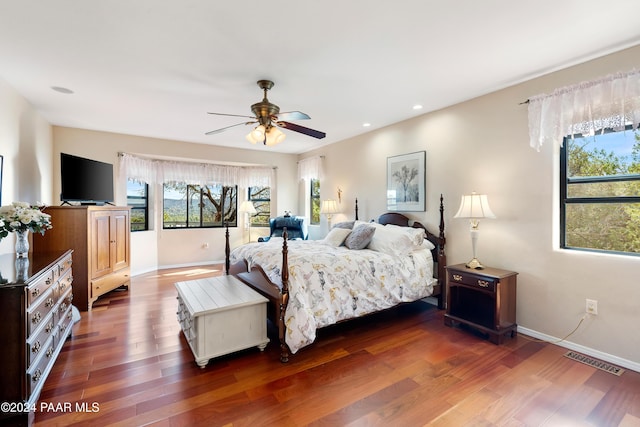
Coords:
406,182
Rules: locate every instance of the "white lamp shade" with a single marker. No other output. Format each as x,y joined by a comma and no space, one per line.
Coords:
329,207
247,206
474,206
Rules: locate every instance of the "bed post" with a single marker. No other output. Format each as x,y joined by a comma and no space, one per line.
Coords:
284,349
442,260
356,208
227,251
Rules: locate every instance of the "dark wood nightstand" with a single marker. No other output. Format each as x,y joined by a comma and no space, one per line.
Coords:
483,299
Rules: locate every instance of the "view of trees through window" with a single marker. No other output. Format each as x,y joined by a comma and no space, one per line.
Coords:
600,192
261,198
315,201
138,200
195,206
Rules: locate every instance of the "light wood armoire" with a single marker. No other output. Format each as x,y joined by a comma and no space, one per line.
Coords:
100,239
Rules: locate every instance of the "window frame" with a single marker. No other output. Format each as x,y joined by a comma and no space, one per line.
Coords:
134,208
565,200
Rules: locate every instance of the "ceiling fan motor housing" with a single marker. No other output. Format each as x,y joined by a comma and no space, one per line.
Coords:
265,111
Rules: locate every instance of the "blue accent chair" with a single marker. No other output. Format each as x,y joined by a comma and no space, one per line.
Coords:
297,228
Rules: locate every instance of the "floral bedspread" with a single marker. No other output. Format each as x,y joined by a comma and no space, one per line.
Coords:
329,284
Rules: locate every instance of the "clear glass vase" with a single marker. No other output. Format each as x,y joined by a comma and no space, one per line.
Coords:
22,244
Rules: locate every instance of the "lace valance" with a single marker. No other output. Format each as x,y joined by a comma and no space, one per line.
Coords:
157,171
585,108
310,168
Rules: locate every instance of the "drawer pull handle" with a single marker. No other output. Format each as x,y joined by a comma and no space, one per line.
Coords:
483,283
36,375
48,281
49,302
457,277
35,292
49,352
36,347
36,318
49,327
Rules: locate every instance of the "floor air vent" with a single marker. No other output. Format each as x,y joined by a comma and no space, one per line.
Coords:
607,367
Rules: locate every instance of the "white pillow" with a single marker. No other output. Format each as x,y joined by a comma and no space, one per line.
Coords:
336,236
390,241
417,236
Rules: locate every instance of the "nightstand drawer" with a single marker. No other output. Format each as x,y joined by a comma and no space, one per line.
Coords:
486,283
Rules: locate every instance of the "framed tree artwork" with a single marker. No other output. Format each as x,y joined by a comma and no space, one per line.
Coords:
406,181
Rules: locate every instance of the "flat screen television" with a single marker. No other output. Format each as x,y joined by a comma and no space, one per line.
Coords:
86,181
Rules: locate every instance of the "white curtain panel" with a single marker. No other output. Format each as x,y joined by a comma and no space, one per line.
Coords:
585,108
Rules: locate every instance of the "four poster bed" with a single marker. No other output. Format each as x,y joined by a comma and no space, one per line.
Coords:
352,272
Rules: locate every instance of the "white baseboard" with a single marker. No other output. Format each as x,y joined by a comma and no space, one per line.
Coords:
618,361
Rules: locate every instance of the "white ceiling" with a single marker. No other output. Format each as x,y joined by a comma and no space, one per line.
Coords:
156,67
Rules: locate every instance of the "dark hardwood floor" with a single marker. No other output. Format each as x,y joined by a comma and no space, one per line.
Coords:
127,364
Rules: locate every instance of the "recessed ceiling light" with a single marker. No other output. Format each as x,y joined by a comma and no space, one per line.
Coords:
62,90
417,107
366,125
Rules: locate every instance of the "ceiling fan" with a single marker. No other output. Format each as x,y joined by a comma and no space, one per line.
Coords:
270,118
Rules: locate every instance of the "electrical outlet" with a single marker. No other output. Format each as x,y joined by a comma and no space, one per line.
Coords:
592,306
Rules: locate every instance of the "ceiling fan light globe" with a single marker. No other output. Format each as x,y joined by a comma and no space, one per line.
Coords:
274,136
258,133
250,138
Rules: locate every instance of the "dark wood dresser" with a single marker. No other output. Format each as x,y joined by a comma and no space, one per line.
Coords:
35,305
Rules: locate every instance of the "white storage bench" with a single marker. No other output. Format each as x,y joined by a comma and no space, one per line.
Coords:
221,315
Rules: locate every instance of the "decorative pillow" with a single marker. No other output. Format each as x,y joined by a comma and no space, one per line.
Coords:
336,236
345,224
360,236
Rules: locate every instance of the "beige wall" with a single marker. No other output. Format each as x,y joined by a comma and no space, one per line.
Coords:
160,248
482,145
25,144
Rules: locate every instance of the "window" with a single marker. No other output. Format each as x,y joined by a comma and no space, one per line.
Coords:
138,199
261,198
195,206
315,201
600,192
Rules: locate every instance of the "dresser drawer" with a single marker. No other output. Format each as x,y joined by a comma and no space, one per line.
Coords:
65,304
65,281
39,312
36,344
36,374
64,265
486,283
37,289
110,282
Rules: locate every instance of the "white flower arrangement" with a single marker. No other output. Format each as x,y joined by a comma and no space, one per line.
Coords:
21,216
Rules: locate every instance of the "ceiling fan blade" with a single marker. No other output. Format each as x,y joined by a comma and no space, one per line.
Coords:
302,129
293,115
212,132
232,115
